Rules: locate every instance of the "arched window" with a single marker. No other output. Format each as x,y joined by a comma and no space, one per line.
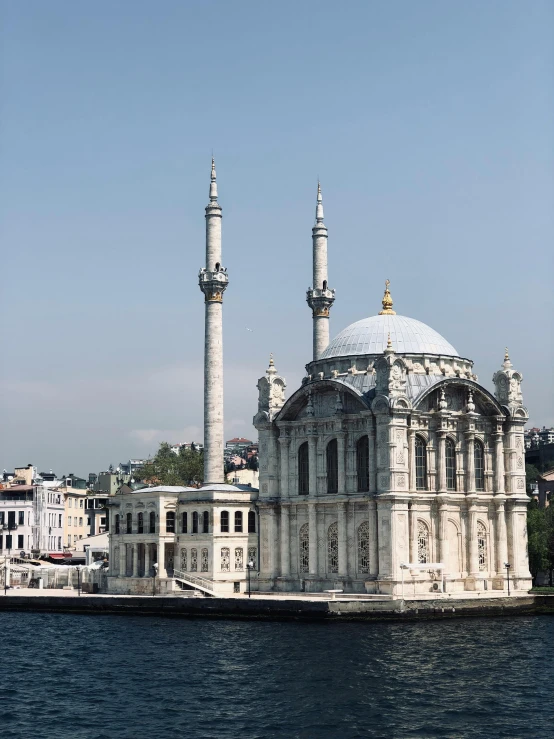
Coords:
193,560
333,548
238,522
195,522
184,559
205,522
332,467
420,463
140,523
117,523
184,522
303,469
152,523
362,464
482,545
251,522
423,554
129,523
170,522
450,461
204,560
224,522
479,457
304,548
363,547
225,559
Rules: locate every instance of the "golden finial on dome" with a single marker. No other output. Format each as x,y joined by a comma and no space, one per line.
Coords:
387,302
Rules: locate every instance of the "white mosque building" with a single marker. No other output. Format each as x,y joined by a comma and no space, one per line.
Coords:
390,467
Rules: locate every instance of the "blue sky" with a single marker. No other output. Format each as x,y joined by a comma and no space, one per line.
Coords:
430,126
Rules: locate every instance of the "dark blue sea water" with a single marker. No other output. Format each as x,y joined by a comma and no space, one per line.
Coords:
108,677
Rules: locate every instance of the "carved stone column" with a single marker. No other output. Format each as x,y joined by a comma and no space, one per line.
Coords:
470,462
441,460
499,486
341,459
411,459
472,541
273,552
284,442
312,519
161,559
135,559
372,460
373,539
413,533
285,540
147,560
351,472
312,466
443,533
501,536
343,562
122,560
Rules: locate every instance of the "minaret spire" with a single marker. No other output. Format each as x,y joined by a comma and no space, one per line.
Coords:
213,280
319,297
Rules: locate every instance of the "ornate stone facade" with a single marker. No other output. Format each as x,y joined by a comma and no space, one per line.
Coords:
389,457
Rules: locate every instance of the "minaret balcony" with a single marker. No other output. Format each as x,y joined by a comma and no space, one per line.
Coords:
213,283
320,300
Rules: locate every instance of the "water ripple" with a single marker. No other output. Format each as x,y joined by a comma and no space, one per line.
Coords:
90,677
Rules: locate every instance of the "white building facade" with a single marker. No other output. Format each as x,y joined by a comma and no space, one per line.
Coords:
390,453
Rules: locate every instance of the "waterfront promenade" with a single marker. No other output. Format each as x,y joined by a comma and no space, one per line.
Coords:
300,607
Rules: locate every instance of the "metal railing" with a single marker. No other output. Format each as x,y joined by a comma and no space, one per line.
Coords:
202,583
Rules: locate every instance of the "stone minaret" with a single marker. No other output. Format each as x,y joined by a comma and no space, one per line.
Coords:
319,297
213,280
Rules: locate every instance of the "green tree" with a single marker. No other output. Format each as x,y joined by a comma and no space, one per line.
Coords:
538,538
167,468
531,475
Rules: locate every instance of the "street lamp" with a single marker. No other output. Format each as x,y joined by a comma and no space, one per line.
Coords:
155,568
78,568
249,567
507,565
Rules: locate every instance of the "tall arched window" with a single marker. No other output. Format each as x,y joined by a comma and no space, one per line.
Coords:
129,523
224,522
303,469
140,523
482,545
423,554
362,464
117,523
195,522
304,548
184,559
238,522
363,547
251,522
450,461
333,548
194,560
205,522
152,527
170,522
332,467
184,522
420,463
479,457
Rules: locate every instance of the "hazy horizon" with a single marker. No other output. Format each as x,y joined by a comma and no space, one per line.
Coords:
429,126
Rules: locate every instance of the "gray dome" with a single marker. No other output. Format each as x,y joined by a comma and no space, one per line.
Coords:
369,336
